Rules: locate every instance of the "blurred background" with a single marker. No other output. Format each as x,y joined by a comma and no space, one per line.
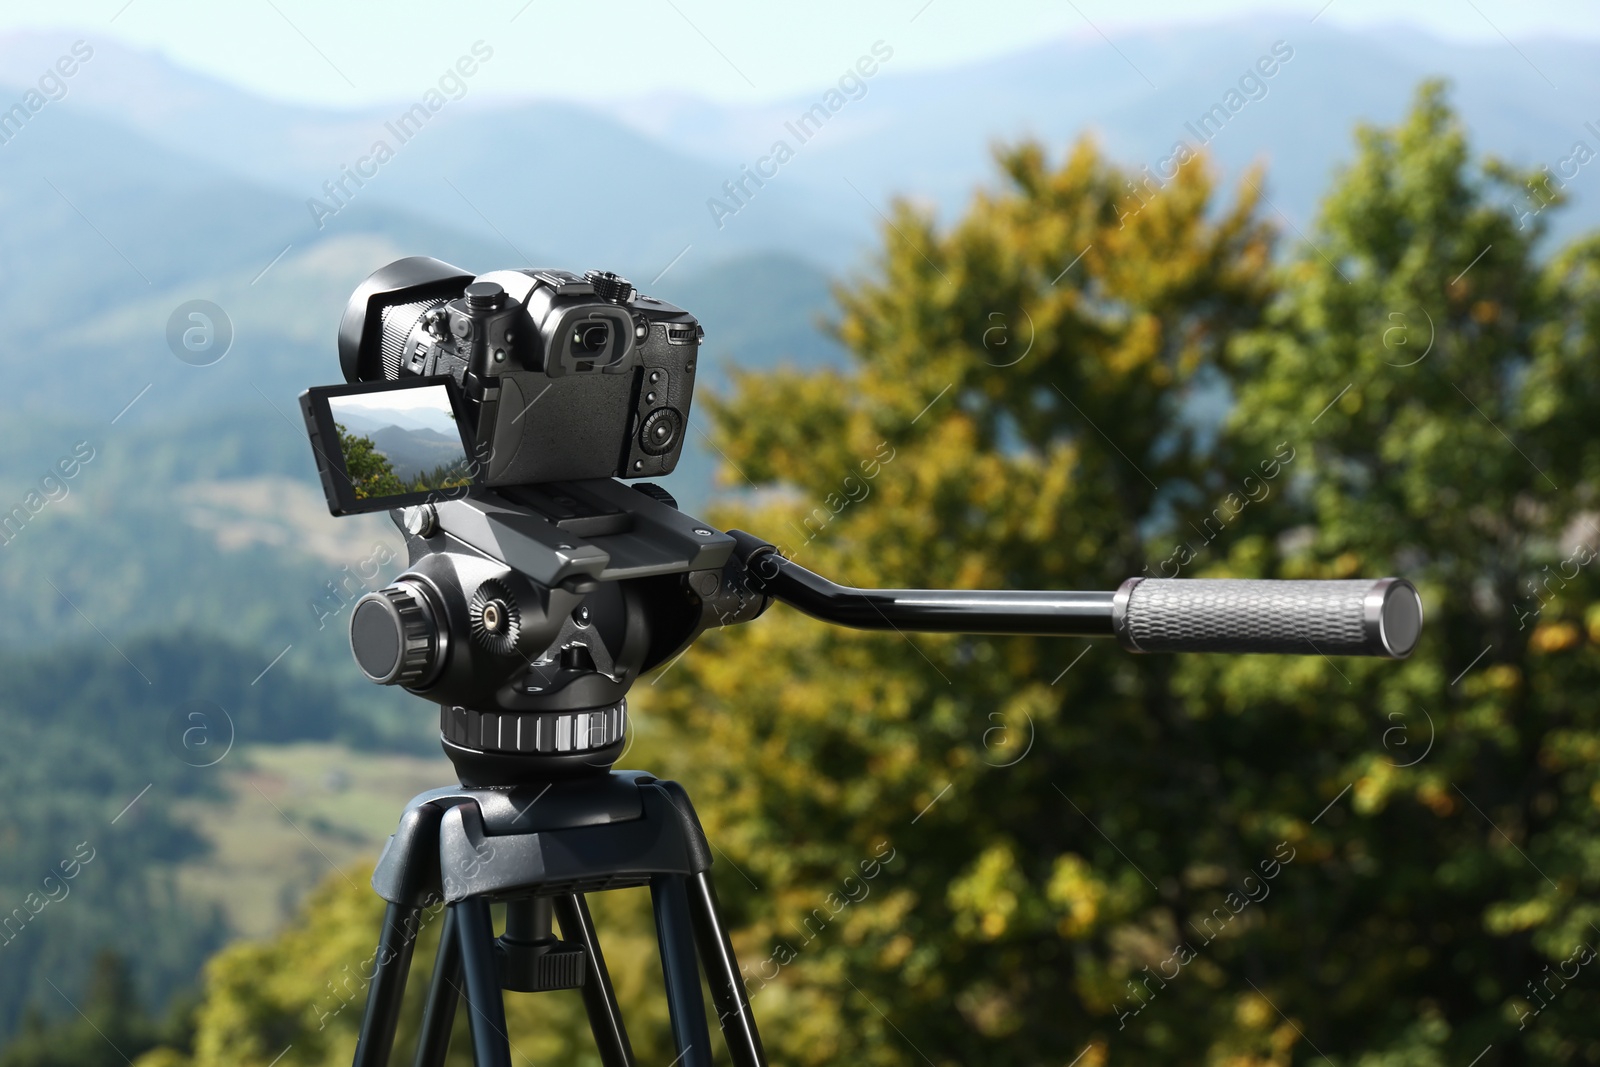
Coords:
1016,294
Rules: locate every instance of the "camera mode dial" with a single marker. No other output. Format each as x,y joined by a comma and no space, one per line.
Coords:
610,287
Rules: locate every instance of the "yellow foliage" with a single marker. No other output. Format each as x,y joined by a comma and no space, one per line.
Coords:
1503,676
1253,1012
1554,637
1074,888
1513,917
986,897
1436,798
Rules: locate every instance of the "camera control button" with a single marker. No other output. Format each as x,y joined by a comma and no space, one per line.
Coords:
660,431
484,296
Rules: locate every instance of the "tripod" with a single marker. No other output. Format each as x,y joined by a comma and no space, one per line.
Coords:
541,849
527,612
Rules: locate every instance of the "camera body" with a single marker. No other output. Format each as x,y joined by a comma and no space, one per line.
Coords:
561,376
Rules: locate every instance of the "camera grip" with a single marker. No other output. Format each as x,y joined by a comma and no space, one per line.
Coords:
1363,617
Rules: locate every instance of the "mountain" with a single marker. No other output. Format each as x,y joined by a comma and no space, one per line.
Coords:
149,186
547,183
563,179
371,418
114,233
414,452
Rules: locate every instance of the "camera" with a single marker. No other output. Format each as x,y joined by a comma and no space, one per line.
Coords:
550,376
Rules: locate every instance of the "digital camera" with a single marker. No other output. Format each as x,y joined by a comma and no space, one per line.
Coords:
549,376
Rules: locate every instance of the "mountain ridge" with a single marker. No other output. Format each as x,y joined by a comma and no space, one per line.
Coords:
574,166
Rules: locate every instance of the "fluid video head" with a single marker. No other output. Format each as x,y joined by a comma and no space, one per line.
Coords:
492,416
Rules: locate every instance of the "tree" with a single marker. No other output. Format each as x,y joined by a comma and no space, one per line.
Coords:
1226,860
1434,365
369,470
1021,412
442,476
111,1027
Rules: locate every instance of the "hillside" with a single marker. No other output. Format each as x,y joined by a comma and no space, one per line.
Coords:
111,753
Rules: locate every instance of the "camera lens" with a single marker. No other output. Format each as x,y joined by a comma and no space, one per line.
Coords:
591,336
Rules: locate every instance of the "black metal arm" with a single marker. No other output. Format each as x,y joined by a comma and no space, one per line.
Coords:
1362,617
965,611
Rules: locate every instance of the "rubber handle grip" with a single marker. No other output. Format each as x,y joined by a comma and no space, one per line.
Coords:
1364,617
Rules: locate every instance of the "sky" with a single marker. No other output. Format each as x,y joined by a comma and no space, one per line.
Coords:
348,54
431,398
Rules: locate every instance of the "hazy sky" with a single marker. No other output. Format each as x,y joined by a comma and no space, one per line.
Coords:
426,397
338,53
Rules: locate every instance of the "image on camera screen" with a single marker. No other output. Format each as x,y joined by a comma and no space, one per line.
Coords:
400,441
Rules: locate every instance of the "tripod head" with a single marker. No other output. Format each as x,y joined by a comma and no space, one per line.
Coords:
527,614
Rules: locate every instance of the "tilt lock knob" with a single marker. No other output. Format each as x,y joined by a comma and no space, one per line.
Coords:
394,637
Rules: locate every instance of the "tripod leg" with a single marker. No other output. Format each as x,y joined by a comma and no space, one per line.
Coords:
486,1005
390,964
684,1002
443,994
599,999
722,974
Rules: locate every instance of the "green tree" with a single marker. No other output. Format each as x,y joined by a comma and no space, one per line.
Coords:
1210,859
110,1027
443,476
73,884
369,470
1019,415
1434,364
